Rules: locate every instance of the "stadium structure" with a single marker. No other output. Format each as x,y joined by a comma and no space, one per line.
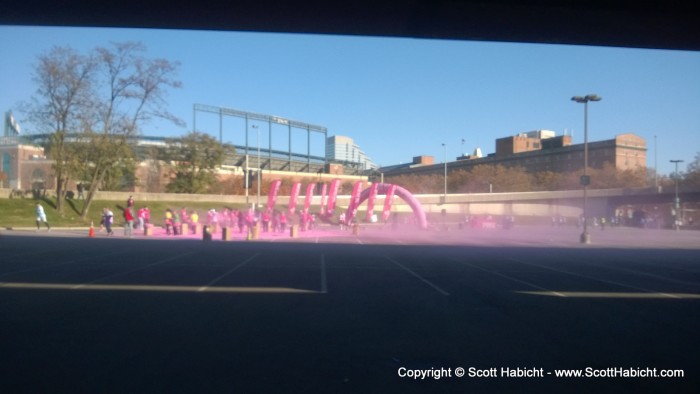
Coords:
24,165
304,159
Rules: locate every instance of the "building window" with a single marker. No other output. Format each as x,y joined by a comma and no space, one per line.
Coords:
7,166
38,179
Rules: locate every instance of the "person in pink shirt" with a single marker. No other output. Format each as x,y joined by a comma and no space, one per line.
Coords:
266,220
140,216
128,222
283,221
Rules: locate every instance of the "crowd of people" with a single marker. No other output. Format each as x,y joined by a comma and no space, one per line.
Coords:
272,221
244,220
278,221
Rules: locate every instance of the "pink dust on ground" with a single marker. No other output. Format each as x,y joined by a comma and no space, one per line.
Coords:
453,235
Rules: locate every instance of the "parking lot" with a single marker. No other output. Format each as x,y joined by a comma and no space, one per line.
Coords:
331,311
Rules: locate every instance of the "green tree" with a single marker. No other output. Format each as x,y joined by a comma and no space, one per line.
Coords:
118,172
692,176
196,158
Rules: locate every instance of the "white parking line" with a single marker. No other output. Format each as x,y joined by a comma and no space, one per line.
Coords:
155,288
91,257
642,273
603,294
534,286
134,270
422,279
610,282
675,267
29,253
246,261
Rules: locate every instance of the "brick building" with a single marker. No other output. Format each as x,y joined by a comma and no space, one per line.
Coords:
23,167
538,151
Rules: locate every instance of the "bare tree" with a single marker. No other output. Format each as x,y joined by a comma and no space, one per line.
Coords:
496,178
65,82
90,106
134,93
692,176
547,180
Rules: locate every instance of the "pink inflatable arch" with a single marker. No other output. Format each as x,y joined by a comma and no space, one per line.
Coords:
405,195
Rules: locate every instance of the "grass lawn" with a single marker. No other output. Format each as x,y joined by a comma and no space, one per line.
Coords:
19,212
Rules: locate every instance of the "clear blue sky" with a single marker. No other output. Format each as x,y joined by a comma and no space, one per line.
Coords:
399,98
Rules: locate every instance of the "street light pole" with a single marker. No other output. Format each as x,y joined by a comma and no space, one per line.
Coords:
678,202
247,178
585,180
444,196
257,201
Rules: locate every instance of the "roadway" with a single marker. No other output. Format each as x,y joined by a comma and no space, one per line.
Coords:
334,312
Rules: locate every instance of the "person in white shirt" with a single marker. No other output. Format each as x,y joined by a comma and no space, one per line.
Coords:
107,219
41,217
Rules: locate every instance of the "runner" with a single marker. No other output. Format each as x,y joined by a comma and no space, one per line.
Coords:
41,217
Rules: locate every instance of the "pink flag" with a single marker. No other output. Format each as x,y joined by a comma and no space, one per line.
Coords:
309,196
293,198
272,197
333,195
387,202
370,200
323,199
354,201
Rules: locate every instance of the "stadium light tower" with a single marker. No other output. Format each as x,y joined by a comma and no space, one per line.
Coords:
585,180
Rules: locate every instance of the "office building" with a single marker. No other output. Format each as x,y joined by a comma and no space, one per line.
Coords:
542,152
343,150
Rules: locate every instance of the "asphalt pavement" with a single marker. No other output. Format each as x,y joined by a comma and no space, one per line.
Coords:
331,311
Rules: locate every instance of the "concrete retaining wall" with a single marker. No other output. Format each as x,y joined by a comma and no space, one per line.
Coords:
431,203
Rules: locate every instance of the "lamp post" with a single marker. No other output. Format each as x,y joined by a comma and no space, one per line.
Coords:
585,180
678,202
257,201
444,196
